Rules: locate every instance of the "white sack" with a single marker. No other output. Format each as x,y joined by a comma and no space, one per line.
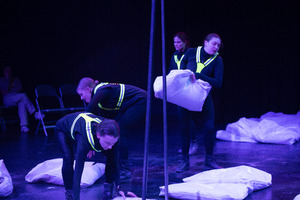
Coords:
255,178
129,198
230,183
196,190
297,197
50,172
271,127
6,187
182,90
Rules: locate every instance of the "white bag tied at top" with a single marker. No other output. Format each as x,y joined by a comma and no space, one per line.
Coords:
182,90
49,171
6,185
231,183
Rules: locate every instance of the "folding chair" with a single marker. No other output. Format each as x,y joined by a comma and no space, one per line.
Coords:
49,104
70,98
8,114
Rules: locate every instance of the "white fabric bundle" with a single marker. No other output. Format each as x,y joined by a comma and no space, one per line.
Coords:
231,183
271,127
297,197
6,185
49,171
182,90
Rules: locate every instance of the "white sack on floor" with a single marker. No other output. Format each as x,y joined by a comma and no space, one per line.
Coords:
271,127
129,198
6,185
182,90
297,197
49,171
230,183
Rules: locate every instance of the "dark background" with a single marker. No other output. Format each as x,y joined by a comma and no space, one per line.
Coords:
56,42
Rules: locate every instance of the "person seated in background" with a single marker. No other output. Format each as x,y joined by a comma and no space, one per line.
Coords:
11,91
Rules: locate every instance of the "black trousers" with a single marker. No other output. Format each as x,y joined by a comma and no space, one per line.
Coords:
204,124
128,121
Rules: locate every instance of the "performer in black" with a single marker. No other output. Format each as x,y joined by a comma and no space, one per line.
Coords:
88,132
207,64
124,103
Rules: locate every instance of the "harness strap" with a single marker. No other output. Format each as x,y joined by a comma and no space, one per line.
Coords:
200,66
178,61
88,128
121,96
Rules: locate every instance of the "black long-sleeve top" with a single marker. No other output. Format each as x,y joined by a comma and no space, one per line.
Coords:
212,73
83,147
108,96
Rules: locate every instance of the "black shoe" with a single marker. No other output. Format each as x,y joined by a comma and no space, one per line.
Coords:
183,166
210,164
69,195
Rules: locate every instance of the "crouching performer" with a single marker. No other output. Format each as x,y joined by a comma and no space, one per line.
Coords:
88,132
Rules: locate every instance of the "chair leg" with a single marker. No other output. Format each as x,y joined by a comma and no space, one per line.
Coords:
37,128
44,127
41,121
3,126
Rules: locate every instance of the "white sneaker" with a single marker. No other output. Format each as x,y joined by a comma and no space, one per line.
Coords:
24,129
38,116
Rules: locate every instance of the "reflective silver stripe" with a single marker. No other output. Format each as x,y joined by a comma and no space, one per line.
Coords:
121,97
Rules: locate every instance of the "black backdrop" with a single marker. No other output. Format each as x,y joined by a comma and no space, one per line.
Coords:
57,42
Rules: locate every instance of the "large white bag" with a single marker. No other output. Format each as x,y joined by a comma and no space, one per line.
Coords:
182,89
271,127
50,172
6,185
230,183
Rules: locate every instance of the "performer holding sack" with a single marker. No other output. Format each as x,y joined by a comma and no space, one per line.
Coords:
207,64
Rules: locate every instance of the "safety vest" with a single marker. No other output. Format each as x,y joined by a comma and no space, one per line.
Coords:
178,61
200,65
88,128
121,96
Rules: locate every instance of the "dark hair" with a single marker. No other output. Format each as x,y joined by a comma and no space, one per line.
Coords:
211,36
108,127
183,36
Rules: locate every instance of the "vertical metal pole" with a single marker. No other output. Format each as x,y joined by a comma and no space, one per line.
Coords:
164,101
148,108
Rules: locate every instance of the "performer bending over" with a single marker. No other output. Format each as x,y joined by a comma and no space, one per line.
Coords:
88,132
124,103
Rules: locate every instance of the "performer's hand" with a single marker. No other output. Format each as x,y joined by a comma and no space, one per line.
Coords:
90,154
193,78
130,194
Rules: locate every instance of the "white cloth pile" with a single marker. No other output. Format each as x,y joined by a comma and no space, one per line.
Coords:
182,89
232,183
6,185
271,127
49,171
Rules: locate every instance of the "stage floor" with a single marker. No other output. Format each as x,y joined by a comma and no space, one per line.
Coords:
21,152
